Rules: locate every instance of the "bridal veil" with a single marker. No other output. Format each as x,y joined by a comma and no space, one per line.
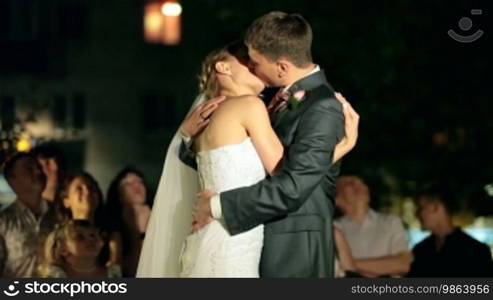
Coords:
171,216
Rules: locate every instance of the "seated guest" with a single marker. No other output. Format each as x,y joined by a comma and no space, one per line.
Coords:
26,221
448,251
73,250
80,198
128,211
378,242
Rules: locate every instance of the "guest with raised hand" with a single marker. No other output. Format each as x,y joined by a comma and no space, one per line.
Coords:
52,162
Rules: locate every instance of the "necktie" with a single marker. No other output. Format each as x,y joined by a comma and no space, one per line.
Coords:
279,102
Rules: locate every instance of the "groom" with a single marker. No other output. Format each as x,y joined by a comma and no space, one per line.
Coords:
297,204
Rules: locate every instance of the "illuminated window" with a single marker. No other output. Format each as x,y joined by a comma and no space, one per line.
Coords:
162,22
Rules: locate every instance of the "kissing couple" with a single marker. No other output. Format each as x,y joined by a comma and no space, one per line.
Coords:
266,173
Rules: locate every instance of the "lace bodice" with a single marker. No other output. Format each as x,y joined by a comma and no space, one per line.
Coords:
229,167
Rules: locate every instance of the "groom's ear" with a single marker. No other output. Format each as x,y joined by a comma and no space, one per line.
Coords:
283,67
223,68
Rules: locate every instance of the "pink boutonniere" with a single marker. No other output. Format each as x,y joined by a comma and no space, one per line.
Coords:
296,98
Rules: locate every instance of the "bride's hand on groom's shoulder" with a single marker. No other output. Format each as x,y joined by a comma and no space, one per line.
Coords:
198,119
351,121
201,212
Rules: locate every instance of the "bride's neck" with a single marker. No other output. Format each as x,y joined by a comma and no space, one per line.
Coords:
235,91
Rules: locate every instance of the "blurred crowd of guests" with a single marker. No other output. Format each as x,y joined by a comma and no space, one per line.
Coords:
59,224
373,244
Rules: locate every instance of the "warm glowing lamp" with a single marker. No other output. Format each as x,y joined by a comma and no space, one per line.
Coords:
172,22
23,145
171,9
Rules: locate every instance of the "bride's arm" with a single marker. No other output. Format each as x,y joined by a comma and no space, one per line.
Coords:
351,122
196,120
256,121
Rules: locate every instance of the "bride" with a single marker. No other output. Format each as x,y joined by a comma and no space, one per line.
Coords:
237,148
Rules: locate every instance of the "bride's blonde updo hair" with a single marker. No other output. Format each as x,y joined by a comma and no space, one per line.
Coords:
207,77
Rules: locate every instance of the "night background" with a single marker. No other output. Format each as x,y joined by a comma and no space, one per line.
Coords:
81,74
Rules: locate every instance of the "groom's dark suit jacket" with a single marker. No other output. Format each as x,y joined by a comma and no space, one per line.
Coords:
297,204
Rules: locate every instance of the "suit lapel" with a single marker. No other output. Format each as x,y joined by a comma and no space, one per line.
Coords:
310,82
307,83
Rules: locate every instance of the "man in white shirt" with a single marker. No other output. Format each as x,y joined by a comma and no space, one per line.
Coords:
378,241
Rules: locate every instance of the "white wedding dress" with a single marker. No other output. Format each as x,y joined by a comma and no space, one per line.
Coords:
212,251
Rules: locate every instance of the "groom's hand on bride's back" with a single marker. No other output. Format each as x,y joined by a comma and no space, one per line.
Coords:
198,119
201,212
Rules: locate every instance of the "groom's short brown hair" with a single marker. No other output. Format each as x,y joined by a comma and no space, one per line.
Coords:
281,35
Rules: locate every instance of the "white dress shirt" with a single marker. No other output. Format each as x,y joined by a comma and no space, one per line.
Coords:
378,235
